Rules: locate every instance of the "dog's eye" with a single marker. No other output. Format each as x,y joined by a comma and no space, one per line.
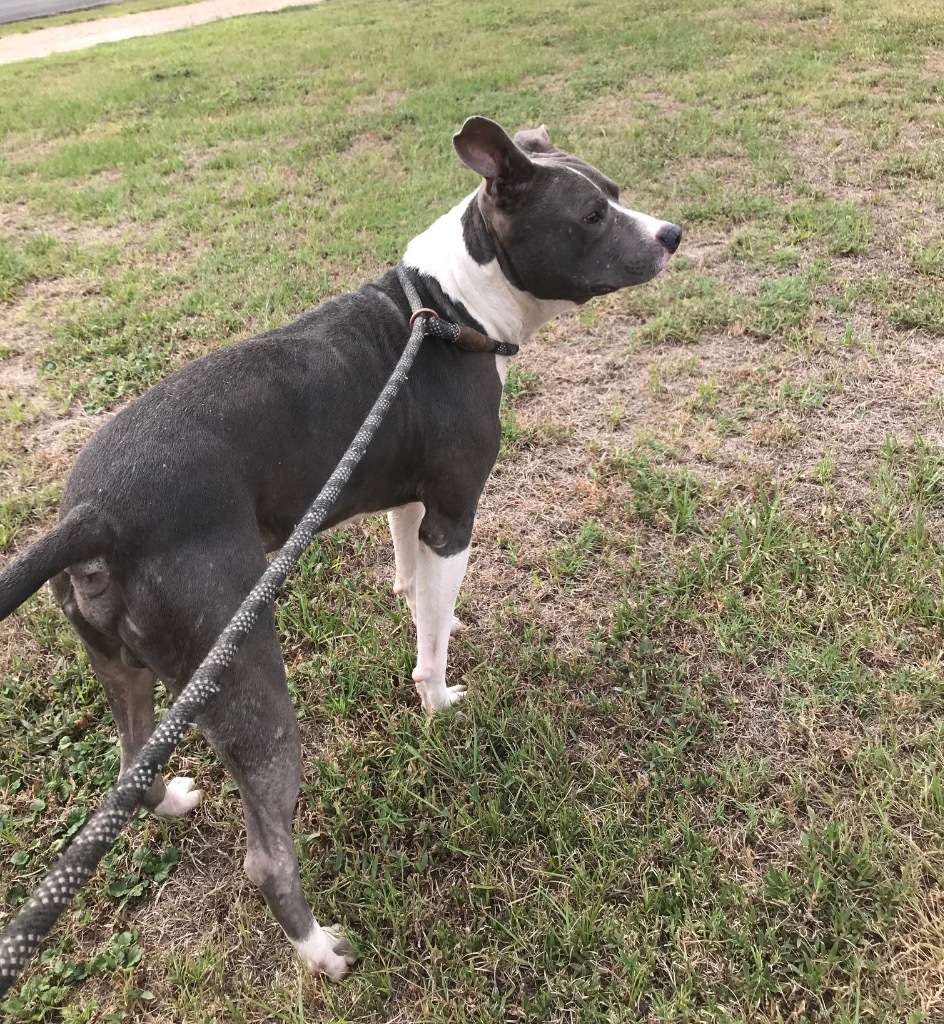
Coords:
593,218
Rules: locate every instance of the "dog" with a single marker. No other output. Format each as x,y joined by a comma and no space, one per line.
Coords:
170,508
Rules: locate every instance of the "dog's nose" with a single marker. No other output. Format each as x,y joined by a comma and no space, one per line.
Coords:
669,235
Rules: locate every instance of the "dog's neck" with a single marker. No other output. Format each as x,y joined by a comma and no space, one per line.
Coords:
506,313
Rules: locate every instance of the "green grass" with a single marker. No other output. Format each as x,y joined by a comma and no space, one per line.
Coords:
698,777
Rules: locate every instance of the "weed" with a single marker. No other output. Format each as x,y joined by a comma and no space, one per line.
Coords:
657,494
570,558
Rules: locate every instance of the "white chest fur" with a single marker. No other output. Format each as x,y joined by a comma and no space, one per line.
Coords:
506,313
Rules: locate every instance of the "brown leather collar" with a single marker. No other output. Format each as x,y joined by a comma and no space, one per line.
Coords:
466,338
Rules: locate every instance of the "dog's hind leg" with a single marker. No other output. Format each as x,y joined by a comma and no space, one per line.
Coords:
250,723
130,693
254,730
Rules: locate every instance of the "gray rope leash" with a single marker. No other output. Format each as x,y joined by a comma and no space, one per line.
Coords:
412,295
23,936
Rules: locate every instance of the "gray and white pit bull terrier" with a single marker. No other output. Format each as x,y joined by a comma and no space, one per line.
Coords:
171,507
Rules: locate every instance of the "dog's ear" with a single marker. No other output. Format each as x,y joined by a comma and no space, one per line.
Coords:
535,140
483,146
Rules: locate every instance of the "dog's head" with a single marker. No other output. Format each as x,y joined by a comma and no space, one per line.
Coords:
556,222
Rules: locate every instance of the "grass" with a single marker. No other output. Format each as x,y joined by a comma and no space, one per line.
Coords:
698,777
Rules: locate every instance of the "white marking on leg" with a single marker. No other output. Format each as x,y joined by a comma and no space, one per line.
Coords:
501,364
180,798
325,951
405,531
437,585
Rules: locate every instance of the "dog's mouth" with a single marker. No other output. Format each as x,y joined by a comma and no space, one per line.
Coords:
635,274
636,279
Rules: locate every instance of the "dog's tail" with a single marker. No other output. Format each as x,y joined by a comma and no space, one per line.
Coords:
76,537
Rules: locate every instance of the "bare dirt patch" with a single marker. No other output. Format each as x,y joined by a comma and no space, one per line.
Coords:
711,253
608,110
833,158
46,435
779,413
547,85
837,158
372,149
25,340
375,101
934,63
814,425
17,218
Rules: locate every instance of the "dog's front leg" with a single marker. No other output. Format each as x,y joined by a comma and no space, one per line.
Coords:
405,531
438,578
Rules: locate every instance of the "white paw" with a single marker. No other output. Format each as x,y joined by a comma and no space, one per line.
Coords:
326,951
441,697
180,798
457,626
344,955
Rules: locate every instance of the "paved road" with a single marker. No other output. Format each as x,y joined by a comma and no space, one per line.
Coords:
64,38
21,10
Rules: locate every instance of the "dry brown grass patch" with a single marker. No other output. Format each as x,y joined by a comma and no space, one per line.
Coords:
19,218
47,435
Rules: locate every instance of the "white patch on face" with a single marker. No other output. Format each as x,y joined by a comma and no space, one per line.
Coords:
506,313
649,225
